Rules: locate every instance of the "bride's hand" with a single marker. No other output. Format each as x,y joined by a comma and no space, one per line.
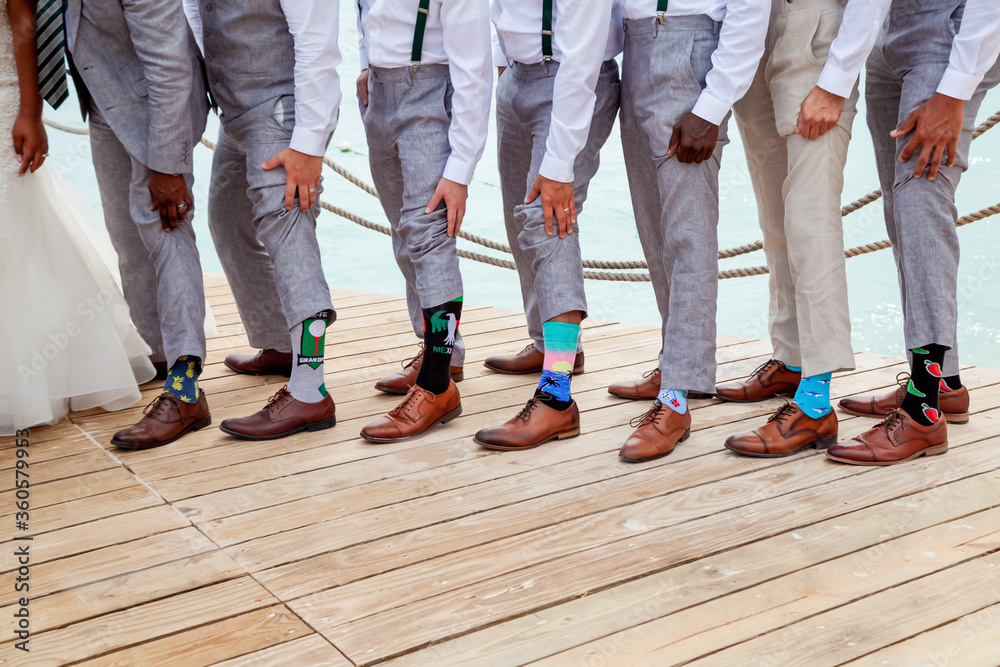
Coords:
30,142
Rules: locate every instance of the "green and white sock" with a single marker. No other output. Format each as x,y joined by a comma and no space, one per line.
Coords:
182,379
306,383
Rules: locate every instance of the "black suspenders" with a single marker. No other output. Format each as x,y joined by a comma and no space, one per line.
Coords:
547,30
418,33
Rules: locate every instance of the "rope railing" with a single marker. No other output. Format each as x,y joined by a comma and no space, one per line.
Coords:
609,270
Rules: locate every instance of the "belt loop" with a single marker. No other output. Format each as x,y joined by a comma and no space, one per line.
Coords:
409,76
718,27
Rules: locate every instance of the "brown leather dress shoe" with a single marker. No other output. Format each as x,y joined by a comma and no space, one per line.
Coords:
400,382
770,379
898,439
164,420
656,434
419,411
646,388
527,361
953,404
265,362
282,416
534,425
786,432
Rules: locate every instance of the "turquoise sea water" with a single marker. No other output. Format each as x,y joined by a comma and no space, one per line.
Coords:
357,258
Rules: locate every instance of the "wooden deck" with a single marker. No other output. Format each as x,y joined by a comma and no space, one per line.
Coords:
321,549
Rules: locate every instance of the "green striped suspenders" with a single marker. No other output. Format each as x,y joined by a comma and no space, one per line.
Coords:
418,33
547,30
661,9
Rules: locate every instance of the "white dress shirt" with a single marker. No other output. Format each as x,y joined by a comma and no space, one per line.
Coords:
581,42
741,45
457,34
314,25
973,51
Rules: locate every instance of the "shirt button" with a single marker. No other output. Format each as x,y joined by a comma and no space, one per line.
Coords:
213,80
208,7
208,56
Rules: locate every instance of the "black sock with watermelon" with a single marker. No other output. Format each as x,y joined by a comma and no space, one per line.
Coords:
921,400
440,331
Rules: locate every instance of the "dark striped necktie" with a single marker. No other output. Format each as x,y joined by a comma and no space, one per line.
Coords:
51,35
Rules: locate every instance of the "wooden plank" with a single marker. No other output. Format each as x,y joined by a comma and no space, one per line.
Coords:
127,590
92,508
143,623
541,569
312,650
50,470
699,631
73,488
110,561
855,629
969,641
208,644
627,607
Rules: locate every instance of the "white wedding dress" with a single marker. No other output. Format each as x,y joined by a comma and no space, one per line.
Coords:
66,339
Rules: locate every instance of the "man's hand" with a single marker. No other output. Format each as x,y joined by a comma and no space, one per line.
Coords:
30,142
169,193
694,139
937,124
302,174
557,199
454,196
819,112
363,87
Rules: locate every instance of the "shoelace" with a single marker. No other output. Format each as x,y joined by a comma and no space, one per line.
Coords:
526,348
650,373
903,379
651,416
411,398
764,366
525,412
278,398
892,421
785,411
407,364
159,406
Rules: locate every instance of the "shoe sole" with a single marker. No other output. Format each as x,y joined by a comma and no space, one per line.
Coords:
196,426
576,371
820,444
565,435
687,434
241,372
444,420
936,450
949,417
312,426
789,394
457,377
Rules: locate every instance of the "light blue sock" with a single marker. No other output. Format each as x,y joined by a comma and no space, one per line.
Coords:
813,395
794,369
675,399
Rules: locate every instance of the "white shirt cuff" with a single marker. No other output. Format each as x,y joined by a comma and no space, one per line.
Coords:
837,81
309,142
711,109
555,169
959,85
458,171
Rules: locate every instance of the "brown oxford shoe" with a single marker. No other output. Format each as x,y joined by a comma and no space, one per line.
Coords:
527,361
419,411
656,434
770,379
534,425
265,362
400,382
897,439
786,432
282,416
647,388
953,404
164,420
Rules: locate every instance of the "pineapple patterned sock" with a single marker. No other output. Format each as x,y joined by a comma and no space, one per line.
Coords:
306,383
182,379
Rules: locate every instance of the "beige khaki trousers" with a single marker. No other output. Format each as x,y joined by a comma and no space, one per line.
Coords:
798,185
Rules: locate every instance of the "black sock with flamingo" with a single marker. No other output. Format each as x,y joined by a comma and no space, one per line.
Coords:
921,400
440,332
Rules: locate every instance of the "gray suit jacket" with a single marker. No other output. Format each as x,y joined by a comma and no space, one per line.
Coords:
142,70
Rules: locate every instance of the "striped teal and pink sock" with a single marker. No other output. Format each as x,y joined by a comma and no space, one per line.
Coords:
560,352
